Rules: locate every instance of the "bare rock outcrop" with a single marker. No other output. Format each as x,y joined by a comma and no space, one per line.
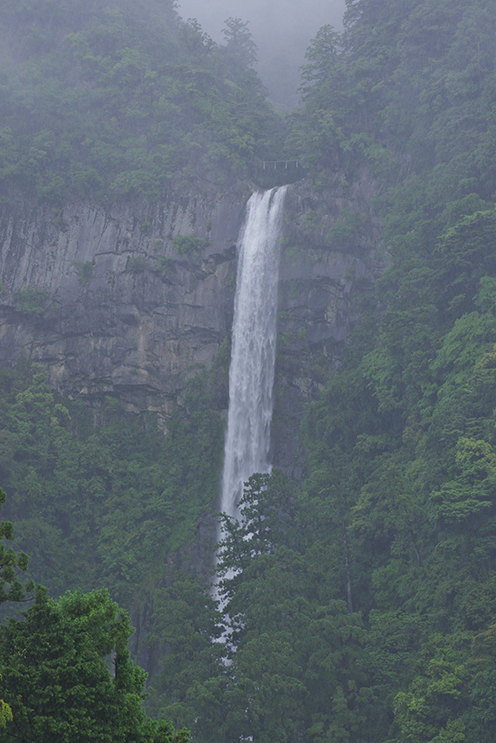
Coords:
109,300
129,300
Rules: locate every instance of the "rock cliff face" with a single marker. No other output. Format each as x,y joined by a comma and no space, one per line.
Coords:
329,259
111,302
128,300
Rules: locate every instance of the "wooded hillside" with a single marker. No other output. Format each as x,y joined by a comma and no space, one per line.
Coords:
362,608
364,605
116,99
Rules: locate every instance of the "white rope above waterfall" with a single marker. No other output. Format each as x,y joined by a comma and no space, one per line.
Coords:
273,164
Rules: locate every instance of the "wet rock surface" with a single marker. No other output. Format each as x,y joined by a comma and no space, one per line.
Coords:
108,302
329,258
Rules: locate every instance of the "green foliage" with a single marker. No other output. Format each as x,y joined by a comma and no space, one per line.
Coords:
136,264
348,232
97,506
5,713
67,674
164,265
410,77
451,697
189,685
189,245
300,608
117,99
297,659
84,271
240,48
11,589
32,301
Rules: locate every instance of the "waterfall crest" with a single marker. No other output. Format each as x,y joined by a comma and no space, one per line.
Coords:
251,374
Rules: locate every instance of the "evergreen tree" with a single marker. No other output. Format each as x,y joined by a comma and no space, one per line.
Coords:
11,589
67,674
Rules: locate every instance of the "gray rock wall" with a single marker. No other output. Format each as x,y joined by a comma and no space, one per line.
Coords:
119,310
103,298
105,301
329,259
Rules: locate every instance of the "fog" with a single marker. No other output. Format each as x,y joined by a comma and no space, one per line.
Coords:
282,30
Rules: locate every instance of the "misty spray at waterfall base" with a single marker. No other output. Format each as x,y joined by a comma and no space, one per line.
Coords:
251,374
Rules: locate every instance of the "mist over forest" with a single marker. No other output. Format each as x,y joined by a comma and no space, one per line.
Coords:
282,30
357,580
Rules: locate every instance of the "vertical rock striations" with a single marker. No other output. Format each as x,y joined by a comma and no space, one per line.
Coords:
113,301
128,300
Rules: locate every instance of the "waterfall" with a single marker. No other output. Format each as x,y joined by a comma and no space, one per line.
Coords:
251,374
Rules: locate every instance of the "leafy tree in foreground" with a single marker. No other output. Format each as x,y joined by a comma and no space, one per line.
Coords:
67,675
10,588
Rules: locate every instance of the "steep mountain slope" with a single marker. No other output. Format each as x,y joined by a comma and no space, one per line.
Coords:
127,303
362,603
112,99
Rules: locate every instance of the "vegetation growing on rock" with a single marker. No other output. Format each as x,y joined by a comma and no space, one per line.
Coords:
360,601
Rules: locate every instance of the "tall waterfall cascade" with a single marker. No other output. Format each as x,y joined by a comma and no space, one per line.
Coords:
251,374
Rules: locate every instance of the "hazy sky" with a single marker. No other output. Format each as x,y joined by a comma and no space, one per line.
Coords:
282,30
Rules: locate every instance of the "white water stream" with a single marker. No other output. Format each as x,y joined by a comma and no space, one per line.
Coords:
251,374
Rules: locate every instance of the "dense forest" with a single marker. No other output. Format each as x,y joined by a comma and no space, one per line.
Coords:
114,99
359,602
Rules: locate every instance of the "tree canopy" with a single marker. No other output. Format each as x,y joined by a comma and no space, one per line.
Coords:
114,99
67,674
360,602
11,588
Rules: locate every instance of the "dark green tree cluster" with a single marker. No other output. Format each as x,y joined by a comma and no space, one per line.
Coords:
116,99
406,89
56,672
65,667
11,588
104,505
294,662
